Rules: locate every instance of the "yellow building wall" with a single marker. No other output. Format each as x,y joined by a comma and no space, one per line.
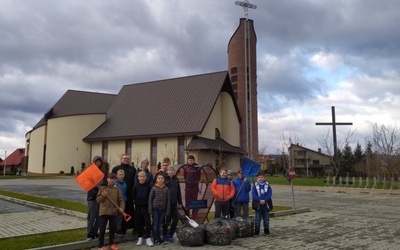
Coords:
140,149
224,118
35,153
115,151
65,147
230,126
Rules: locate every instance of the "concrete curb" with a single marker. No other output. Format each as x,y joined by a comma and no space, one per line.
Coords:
42,206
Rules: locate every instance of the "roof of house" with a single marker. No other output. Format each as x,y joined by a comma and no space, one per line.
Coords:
164,108
296,145
14,158
75,102
200,143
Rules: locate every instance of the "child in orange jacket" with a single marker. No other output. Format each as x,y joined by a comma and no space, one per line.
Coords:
223,191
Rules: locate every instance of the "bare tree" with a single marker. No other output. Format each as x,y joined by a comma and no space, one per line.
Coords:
283,150
386,141
336,158
136,157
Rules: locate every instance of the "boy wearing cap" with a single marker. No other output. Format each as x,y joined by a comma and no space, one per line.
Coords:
242,194
93,207
144,166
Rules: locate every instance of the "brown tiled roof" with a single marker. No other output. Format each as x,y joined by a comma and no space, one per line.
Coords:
200,143
172,107
14,158
75,102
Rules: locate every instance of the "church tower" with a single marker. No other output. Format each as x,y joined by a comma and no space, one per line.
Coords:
242,67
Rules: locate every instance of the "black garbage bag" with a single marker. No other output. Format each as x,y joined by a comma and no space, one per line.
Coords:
218,232
190,236
245,226
234,228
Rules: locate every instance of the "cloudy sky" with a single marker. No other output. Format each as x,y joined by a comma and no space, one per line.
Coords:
312,54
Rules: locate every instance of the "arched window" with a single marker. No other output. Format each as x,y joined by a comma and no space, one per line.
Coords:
217,133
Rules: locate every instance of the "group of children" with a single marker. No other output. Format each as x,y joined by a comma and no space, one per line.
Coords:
233,196
158,201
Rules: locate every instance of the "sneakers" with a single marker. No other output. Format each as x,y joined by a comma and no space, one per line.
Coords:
113,247
159,242
149,242
266,231
167,239
90,237
119,233
139,241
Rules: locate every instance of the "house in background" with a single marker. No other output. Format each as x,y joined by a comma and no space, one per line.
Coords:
308,162
14,162
267,160
168,118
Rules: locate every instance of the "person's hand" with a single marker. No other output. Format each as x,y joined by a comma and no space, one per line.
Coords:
245,179
121,210
220,196
262,202
104,193
179,205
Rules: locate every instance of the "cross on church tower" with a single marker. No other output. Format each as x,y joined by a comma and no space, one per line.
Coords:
334,123
246,5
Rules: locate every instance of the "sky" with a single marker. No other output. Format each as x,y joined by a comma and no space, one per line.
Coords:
311,55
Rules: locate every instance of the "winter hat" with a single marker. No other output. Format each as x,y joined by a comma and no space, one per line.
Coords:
96,158
144,159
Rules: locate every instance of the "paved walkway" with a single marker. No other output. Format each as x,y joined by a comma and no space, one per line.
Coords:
340,218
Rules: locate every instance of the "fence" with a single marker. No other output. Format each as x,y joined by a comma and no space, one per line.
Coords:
367,183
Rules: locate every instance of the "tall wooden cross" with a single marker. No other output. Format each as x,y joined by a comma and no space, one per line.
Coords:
334,123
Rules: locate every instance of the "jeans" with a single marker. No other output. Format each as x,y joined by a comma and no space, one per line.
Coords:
158,220
262,213
239,206
92,219
142,220
112,220
174,217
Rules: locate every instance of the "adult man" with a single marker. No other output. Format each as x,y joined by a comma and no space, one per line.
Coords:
130,172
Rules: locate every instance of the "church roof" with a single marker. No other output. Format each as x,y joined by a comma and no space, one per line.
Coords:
164,108
75,102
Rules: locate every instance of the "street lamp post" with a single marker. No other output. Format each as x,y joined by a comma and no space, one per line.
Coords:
76,161
5,163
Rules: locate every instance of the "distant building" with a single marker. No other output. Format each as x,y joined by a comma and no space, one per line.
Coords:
266,161
308,162
14,162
